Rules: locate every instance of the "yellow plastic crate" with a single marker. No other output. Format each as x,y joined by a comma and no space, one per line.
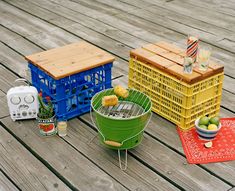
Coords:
177,101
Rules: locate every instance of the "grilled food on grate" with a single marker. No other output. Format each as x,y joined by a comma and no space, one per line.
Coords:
120,91
110,100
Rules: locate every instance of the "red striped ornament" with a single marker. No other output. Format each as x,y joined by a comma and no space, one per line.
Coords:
192,48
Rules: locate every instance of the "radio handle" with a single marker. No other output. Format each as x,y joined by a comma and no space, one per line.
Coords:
22,80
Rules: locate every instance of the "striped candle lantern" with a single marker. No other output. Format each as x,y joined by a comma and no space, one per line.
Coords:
192,48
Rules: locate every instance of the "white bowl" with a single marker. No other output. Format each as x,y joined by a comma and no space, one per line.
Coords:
205,134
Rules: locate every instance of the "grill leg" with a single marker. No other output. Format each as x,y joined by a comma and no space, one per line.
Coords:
120,160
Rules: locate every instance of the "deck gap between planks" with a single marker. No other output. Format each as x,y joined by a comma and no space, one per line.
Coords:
228,91
25,37
80,37
126,60
9,179
230,76
121,43
11,72
142,8
98,20
12,48
154,170
182,33
185,34
137,158
115,165
182,154
227,109
88,123
4,116
66,30
181,13
170,147
53,170
95,163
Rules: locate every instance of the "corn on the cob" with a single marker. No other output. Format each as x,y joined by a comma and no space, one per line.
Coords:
120,91
110,100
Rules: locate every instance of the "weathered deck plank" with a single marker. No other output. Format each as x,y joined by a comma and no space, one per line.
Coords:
206,15
125,26
57,152
165,131
172,165
12,59
27,172
124,56
75,168
185,182
107,6
28,26
129,27
45,40
175,12
4,112
159,165
82,139
140,177
162,9
136,177
6,184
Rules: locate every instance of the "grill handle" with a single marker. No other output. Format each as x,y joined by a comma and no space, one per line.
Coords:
113,143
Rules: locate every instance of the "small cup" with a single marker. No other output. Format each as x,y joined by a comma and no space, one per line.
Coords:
62,128
192,47
188,65
203,58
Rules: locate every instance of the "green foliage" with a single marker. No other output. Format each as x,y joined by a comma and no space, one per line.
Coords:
45,110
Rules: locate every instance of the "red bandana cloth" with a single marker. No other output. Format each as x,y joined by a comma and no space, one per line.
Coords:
223,148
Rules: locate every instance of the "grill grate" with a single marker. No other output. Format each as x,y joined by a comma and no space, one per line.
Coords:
126,108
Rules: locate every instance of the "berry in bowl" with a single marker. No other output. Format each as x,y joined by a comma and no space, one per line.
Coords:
207,128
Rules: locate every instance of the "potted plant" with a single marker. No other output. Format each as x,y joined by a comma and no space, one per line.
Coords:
46,116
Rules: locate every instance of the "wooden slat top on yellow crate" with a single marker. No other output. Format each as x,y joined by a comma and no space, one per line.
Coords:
170,58
70,59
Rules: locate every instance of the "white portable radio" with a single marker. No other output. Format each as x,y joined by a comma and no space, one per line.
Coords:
22,101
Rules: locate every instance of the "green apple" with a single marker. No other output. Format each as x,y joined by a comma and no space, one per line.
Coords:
215,120
204,120
203,126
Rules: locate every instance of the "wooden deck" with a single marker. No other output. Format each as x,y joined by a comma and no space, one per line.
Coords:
78,161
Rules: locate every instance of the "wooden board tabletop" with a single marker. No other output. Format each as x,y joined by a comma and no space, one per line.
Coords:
170,58
70,59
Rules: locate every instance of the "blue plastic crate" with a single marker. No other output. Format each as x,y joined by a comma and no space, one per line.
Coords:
71,95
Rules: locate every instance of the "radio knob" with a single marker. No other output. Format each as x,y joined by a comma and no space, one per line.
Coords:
24,113
15,100
29,99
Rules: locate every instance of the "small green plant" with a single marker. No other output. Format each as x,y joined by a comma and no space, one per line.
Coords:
45,110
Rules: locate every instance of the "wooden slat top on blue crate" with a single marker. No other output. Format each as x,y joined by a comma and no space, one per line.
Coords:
170,58
70,59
